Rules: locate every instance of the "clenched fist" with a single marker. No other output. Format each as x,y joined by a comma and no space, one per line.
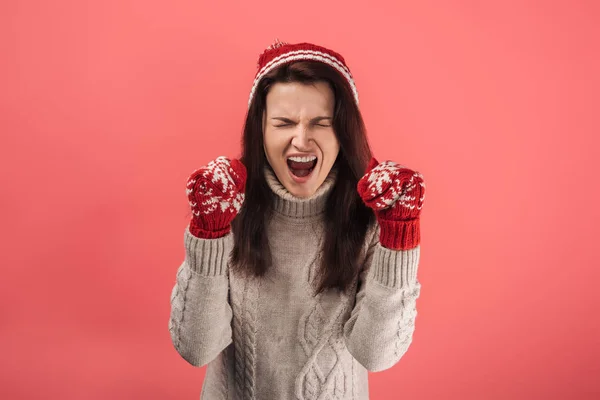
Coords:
216,194
396,194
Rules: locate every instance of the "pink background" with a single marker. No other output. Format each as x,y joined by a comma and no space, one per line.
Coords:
106,107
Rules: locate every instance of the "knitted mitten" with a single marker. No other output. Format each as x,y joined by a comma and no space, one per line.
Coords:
396,194
216,194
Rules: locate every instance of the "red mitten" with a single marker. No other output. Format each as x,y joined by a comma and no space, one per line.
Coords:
216,194
396,194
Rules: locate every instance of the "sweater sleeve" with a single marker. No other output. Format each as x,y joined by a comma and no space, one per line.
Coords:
200,320
381,324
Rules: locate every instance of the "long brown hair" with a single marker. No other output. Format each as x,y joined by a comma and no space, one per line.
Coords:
347,219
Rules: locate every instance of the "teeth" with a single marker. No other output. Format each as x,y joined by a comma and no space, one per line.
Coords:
303,159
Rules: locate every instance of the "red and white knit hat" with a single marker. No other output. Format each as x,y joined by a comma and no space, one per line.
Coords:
280,53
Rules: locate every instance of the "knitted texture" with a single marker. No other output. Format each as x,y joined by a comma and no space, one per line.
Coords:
280,53
273,337
396,194
205,271
245,297
215,194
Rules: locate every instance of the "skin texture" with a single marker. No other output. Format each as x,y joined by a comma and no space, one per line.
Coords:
290,128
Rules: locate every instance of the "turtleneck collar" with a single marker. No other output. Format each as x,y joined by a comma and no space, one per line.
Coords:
289,205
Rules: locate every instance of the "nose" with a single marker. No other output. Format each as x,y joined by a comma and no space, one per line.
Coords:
301,138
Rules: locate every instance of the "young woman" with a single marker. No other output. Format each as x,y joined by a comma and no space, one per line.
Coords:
301,257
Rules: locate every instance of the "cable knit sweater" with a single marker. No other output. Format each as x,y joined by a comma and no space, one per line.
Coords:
272,338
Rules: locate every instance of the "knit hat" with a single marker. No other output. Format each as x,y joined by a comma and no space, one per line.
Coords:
280,53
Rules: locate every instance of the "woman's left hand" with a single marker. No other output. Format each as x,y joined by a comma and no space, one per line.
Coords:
396,194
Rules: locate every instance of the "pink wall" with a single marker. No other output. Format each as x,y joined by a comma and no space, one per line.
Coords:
106,107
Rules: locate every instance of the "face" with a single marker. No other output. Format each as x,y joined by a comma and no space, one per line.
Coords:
299,140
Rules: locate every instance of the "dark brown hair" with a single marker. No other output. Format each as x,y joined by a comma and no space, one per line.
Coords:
347,219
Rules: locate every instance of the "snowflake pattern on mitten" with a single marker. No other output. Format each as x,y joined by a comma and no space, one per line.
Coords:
392,185
396,194
216,195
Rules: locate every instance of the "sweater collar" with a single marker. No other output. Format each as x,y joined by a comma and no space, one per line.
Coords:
289,205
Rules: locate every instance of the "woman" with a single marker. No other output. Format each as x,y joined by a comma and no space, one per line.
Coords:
300,257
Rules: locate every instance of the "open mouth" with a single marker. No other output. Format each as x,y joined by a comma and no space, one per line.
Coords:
302,167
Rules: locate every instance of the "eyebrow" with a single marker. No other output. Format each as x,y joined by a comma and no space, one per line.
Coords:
315,119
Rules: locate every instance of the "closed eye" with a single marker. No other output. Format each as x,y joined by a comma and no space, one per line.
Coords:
282,125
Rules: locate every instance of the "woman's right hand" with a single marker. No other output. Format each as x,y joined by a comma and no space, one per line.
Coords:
216,194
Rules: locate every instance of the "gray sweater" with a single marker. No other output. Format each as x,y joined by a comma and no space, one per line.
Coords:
272,338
